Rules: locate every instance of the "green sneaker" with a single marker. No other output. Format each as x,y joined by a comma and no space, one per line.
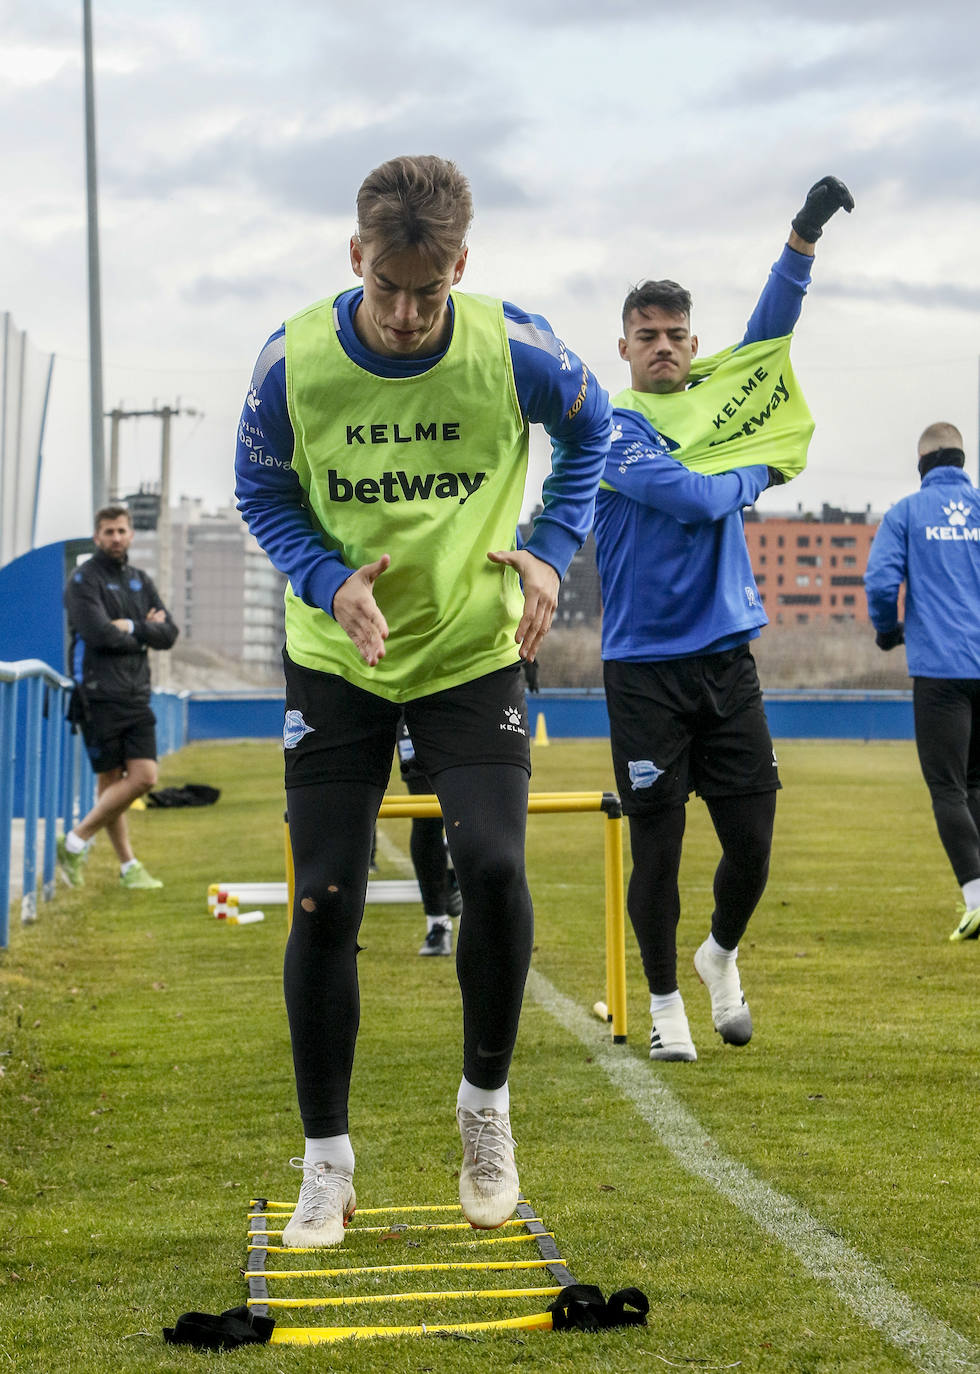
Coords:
137,876
969,926
72,866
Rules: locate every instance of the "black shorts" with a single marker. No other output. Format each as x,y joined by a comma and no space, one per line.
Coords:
688,724
116,732
335,732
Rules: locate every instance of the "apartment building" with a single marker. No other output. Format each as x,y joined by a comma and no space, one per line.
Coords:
224,593
811,569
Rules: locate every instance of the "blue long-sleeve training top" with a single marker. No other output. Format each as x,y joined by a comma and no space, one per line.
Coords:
930,540
674,567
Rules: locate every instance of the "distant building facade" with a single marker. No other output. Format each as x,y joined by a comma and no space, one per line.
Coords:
810,569
226,596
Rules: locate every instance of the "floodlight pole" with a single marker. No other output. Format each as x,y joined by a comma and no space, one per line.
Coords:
94,283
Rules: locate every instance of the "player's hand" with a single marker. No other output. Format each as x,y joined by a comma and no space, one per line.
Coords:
157,616
823,199
357,613
540,583
890,639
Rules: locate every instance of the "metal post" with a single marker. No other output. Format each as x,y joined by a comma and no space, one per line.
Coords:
54,747
32,798
8,759
94,280
115,416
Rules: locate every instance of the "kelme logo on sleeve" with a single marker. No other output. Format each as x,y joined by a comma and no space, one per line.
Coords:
404,486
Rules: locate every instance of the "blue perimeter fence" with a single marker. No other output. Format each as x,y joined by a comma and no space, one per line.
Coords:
45,772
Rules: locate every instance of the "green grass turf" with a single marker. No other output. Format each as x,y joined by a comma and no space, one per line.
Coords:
147,1090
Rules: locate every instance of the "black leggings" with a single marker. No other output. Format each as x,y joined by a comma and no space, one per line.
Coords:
744,827
428,850
947,737
330,826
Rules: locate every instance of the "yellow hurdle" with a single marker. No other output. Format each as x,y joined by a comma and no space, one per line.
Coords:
548,803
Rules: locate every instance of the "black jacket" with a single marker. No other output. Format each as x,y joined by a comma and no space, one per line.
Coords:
108,663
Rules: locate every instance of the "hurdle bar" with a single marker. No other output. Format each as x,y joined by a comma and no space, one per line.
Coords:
395,807
555,803
260,1302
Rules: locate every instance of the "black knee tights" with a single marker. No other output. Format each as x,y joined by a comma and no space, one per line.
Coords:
652,898
485,812
744,827
330,829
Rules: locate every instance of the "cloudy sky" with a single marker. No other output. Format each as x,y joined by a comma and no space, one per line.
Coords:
605,143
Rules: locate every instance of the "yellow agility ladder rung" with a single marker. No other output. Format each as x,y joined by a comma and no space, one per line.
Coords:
397,1269
290,1207
453,1244
319,1335
358,1298
399,1228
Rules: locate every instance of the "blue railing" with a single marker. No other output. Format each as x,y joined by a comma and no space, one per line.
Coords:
45,773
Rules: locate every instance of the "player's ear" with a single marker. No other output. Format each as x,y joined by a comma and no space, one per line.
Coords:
356,256
460,265
624,352
694,345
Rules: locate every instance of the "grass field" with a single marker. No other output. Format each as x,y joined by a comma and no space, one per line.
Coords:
808,1203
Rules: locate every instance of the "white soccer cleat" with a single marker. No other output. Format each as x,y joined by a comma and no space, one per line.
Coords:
326,1204
488,1186
670,1037
729,1009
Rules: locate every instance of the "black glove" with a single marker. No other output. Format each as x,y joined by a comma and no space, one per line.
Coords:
823,199
776,478
890,639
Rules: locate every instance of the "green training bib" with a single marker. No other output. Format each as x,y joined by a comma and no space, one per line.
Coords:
428,469
746,408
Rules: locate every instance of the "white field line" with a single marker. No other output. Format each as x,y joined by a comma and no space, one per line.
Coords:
394,854
928,1342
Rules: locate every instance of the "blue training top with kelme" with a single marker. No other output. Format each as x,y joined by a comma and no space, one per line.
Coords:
930,540
294,507
670,544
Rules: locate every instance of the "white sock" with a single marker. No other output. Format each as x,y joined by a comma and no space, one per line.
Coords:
443,922
130,863
718,950
971,894
73,844
335,1150
476,1099
662,1002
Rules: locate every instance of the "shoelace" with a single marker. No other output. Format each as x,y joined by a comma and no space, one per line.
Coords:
320,1175
489,1151
321,1186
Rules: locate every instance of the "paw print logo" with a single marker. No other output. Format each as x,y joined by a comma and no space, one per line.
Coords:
513,715
617,434
956,512
252,399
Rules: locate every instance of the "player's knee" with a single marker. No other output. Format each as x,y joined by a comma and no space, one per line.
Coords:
493,872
